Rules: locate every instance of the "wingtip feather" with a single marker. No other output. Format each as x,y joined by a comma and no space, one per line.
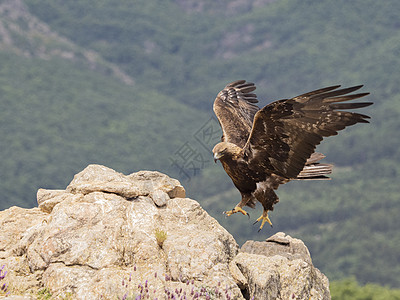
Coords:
236,82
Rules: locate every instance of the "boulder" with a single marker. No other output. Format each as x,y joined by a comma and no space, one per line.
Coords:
279,268
279,244
96,178
98,239
115,236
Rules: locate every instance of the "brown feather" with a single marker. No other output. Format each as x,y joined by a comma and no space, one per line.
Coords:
286,132
262,149
235,110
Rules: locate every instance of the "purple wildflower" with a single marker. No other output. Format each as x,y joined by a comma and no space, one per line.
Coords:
2,276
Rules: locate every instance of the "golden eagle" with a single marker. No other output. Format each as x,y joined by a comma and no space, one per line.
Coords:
263,148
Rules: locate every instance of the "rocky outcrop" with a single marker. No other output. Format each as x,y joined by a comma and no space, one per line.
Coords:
282,266
112,236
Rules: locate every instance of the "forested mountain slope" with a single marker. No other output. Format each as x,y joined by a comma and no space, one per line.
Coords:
64,107
145,103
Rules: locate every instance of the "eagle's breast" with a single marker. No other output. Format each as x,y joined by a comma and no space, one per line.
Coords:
242,177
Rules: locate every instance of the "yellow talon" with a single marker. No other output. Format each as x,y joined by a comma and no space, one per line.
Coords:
235,210
264,218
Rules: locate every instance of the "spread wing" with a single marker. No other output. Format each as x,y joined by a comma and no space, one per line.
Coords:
286,132
235,110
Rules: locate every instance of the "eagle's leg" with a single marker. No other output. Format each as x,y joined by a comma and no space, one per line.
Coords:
235,210
238,207
268,198
263,218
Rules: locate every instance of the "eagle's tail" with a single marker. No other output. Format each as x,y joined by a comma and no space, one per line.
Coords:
315,170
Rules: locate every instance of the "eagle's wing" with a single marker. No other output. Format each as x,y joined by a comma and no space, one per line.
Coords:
235,110
286,132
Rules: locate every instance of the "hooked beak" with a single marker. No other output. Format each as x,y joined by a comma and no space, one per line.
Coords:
216,157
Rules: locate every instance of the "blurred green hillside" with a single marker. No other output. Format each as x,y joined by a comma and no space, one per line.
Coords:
130,85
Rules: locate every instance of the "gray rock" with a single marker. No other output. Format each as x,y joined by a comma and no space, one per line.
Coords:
97,178
85,241
280,268
279,244
47,199
159,197
149,181
109,235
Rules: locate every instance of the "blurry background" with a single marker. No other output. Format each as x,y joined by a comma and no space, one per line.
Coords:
130,85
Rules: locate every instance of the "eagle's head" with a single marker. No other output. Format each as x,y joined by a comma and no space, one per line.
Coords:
225,150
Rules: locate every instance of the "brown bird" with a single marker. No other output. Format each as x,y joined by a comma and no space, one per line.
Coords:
263,148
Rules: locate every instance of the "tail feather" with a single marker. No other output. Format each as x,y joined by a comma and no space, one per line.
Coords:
315,170
314,158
